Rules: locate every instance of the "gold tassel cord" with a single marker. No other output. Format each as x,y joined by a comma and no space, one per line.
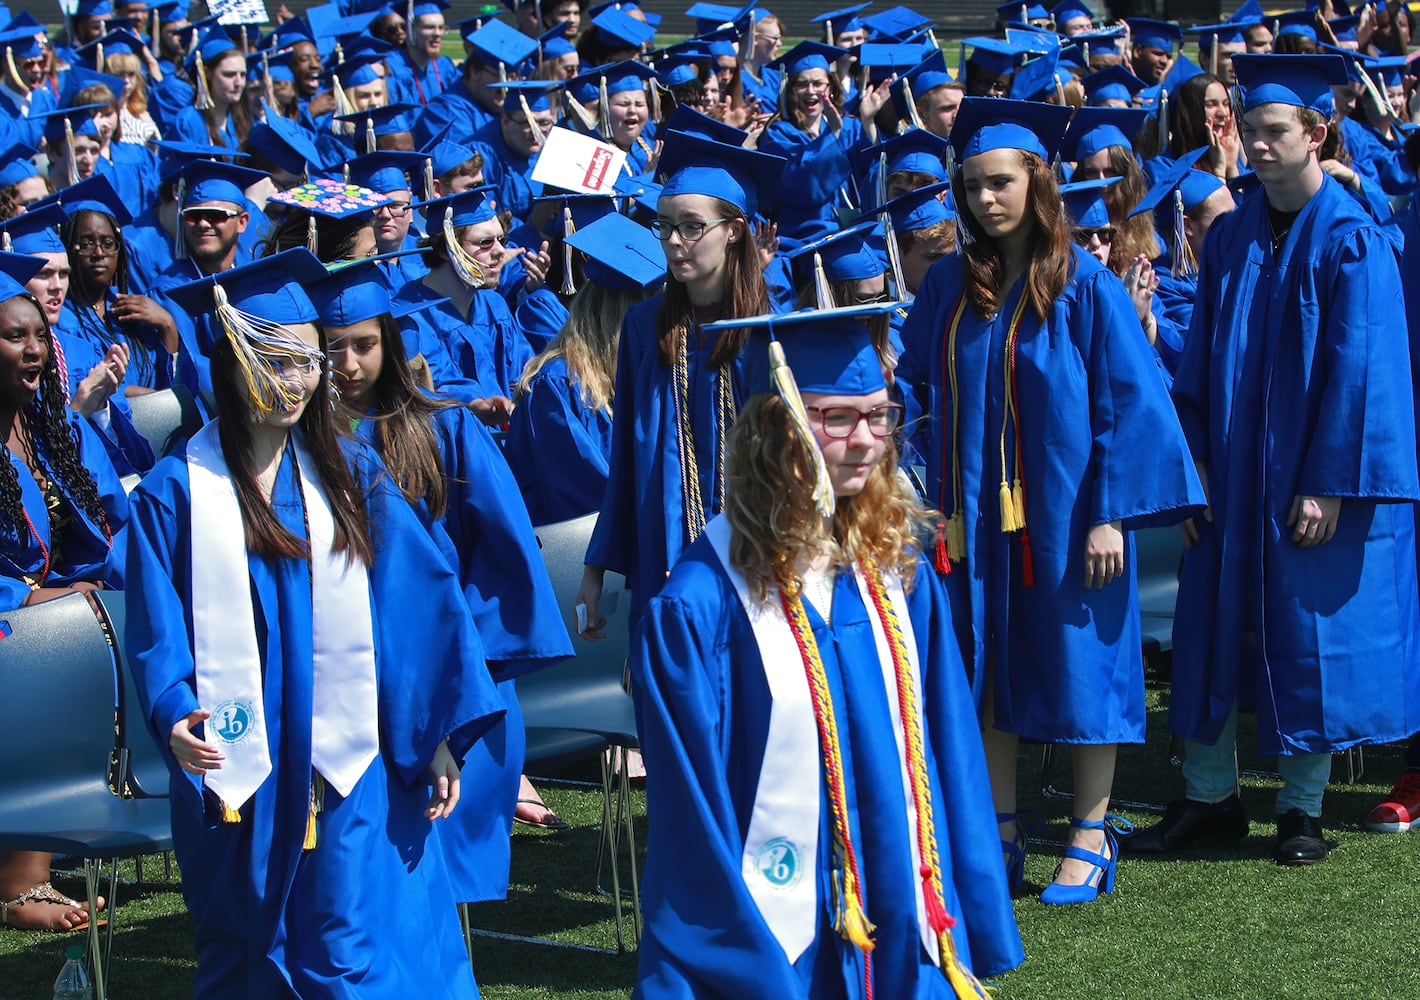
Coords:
470,272
204,100
783,378
317,807
230,815
264,352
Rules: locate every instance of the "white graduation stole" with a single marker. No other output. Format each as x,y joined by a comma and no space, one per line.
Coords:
780,859
344,725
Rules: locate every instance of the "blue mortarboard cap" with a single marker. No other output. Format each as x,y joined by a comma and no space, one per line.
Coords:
1226,32
1176,175
1079,50
917,150
917,209
359,71
93,8
96,194
423,8
187,34
1163,35
843,19
1182,70
1030,39
387,170
927,75
391,119
709,16
1094,129
173,10
273,288
994,55
883,61
986,123
681,66
807,56
694,164
1297,22
445,156
1084,202
624,76
1113,83
15,270
78,79
289,145
350,295
896,23
829,350
584,209
1070,10
330,198
554,43
119,41
620,253
1022,13
80,119
211,47
22,37
846,255
643,193
540,95
1384,71
618,26
467,208
17,163
686,119
496,43
1037,78
36,230
1344,28
214,180
1302,81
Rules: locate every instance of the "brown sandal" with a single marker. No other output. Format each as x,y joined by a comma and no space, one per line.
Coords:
46,893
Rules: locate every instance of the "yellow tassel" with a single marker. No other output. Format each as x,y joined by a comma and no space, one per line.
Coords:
956,538
782,378
317,807
230,815
15,78
965,985
851,922
203,100
1008,508
468,269
1018,503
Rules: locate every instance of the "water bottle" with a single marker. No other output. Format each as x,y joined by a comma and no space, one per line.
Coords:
73,981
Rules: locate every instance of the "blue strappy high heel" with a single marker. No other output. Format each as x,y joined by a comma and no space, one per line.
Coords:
1100,880
1015,849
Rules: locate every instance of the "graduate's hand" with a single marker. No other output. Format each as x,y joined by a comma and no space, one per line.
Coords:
766,238
536,263
322,104
1313,520
494,411
1141,282
443,774
1104,555
872,101
194,756
589,596
1342,173
142,309
102,382
1190,527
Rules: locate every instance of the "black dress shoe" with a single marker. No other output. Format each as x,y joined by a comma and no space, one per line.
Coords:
1299,839
1186,821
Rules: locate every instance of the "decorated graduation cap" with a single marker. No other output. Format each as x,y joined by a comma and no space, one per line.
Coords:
17,163
993,55
287,144
1094,129
839,256
1113,83
1182,189
1085,204
617,26
256,305
387,170
1301,81
499,46
15,270
984,124
352,294
835,22
451,213
1163,35
327,198
1070,10
34,231
694,164
620,253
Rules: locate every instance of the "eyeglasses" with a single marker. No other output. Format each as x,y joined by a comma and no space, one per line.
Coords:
1085,236
688,232
394,209
811,85
485,244
776,39
104,244
842,421
214,217
866,300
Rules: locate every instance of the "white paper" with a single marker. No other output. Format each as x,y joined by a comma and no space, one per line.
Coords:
576,162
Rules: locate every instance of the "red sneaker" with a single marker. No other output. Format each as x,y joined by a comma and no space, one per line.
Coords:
1401,809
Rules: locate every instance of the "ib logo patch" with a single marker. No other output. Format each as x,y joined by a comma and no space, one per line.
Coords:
232,720
780,862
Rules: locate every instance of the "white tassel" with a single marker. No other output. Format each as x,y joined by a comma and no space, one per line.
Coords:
470,272
911,103
1164,121
823,292
603,110
894,256
342,107
180,244
69,150
569,286
257,342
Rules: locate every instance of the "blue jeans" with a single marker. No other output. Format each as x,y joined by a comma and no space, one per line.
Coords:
1210,773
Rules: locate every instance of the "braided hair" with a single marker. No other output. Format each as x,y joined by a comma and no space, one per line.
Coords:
46,421
81,295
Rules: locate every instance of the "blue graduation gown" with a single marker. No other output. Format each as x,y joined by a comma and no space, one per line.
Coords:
1292,383
272,919
85,551
508,591
486,346
455,109
704,716
1101,444
766,88
818,170
133,171
409,84
150,249
558,447
641,530
509,173
190,125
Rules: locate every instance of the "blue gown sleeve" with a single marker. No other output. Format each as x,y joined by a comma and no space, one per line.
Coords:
559,463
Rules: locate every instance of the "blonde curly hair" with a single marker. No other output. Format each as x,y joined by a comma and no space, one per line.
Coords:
769,504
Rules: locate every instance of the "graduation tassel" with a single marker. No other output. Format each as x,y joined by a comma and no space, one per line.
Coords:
204,100
180,244
941,557
603,109
1018,499
568,228
1059,90
1184,261
1213,57
502,71
428,178
880,189
911,103
317,805
345,173
1085,51
14,71
470,272
230,815
1007,505
850,920
255,343
783,379
343,107
783,85
153,39
823,291
655,91
312,237
1164,121
371,140
6,242
73,170
99,55
267,83
828,32
956,537
580,113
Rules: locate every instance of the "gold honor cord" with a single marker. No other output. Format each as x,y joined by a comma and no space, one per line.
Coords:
692,502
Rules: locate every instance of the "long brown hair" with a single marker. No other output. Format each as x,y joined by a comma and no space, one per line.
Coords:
404,436
265,534
1050,258
791,112
745,295
241,114
769,504
1133,235
587,344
